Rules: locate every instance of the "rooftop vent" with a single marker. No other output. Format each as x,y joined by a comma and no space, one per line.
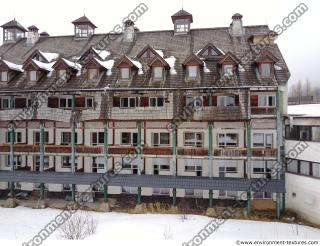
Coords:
236,27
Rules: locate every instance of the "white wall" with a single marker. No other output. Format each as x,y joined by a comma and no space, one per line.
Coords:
307,196
309,150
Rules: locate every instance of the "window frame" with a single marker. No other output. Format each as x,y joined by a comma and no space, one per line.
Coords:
225,145
129,102
225,101
46,137
90,71
161,74
132,136
266,101
68,102
195,142
33,75
158,134
121,73
6,76
269,74
156,101
98,138
196,71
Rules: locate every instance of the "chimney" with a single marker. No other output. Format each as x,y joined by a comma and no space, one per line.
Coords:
33,35
129,30
236,27
44,34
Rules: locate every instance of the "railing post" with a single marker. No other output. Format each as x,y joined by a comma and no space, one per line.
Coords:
73,145
174,149
11,159
210,199
41,168
139,196
249,149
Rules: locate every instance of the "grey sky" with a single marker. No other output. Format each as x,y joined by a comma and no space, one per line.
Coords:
299,44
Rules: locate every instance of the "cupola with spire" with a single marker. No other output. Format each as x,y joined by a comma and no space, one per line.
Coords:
83,27
181,20
13,31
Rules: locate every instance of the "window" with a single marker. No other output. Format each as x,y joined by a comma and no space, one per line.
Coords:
193,193
158,73
292,166
161,191
97,163
227,166
194,101
66,162
8,35
66,138
97,138
17,138
7,103
83,31
265,70
65,102
92,73
192,71
156,101
4,76
160,164
37,162
193,165
89,102
316,169
66,187
33,76
36,137
230,194
316,133
160,139
193,139
62,74
181,26
131,163
228,140
125,73
226,101
266,101
129,190
262,167
228,70
129,138
305,167
127,102
262,195
262,140
17,161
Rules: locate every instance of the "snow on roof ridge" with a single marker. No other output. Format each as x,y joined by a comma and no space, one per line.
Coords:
106,64
13,66
72,64
49,56
160,52
171,61
44,66
102,53
138,65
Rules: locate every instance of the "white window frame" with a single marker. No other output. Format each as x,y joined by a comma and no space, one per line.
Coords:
17,161
225,144
264,166
46,139
228,69
262,70
196,141
265,137
156,137
68,142
17,136
129,101
264,101
132,134
98,133
9,103
91,72
160,191
222,101
4,76
33,75
46,161
125,71
193,165
129,190
97,163
63,162
228,167
87,102
157,73
192,71
68,100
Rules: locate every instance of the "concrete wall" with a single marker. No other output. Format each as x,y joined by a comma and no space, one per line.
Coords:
303,196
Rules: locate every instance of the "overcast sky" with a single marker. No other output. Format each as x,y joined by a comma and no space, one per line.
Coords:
299,44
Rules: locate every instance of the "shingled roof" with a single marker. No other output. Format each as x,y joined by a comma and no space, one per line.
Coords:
177,46
83,20
14,24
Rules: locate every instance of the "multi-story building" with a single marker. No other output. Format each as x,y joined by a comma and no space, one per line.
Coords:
201,109
303,166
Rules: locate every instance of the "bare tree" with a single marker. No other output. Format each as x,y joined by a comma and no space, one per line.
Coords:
78,226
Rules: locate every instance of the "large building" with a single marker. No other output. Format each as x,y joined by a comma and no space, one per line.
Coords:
303,168
200,111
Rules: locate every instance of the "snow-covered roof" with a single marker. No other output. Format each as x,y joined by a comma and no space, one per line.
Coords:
44,66
102,53
49,56
138,65
160,53
205,68
107,65
13,66
171,61
276,67
73,65
241,68
304,110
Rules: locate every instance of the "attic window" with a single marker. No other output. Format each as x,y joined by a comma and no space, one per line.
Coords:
157,73
125,73
83,31
182,26
265,70
92,73
192,71
62,74
33,76
148,54
8,35
228,69
4,76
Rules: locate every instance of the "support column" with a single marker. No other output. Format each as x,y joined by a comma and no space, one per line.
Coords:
41,168
249,149
210,153
278,208
210,198
139,152
174,162
249,201
105,145
174,197
73,146
279,160
105,193
11,159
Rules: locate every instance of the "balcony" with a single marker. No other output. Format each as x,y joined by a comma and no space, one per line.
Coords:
263,111
21,148
157,151
142,113
220,113
193,151
230,152
262,152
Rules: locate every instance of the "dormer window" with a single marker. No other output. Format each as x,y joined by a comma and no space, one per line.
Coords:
4,76
192,71
32,76
62,73
265,69
93,73
158,73
125,73
228,69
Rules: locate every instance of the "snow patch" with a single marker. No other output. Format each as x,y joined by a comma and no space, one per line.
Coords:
160,53
13,66
73,65
171,61
308,110
45,66
107,65
138,65
205,68
103,54
241,68
49,56
276,67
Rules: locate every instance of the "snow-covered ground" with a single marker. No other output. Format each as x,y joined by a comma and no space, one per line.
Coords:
140,229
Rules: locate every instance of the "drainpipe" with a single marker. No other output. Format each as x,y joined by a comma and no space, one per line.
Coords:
139,152
11,159
279,144
105,153
73,146
41,169
249,155
210,153
174,162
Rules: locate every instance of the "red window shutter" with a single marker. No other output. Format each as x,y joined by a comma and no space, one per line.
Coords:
116,102
20,102
145,101
236,99
214,101
205,101
80,102
254,100
53,102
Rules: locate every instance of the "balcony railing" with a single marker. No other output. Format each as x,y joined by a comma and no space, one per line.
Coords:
143,113
264,152
219,113
263,111
193,151
230,152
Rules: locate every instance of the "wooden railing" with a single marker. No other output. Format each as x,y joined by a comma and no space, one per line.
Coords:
230,152
193,151
263,111
263,152
220,113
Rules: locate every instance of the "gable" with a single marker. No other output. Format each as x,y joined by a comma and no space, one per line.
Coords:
210,51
